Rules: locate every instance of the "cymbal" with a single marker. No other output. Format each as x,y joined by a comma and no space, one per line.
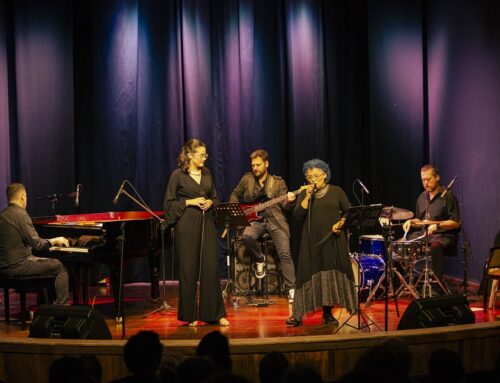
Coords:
396,213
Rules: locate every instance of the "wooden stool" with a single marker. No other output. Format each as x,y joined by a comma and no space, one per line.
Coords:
23,284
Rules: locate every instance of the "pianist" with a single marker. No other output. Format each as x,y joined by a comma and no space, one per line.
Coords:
18,237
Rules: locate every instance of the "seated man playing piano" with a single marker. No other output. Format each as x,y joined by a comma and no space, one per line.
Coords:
257,185
18,237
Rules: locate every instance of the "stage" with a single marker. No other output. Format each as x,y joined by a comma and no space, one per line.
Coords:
254,330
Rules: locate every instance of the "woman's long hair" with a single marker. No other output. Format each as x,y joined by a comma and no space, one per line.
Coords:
188,148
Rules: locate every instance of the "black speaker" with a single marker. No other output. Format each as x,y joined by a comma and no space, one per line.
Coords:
445,310
69,322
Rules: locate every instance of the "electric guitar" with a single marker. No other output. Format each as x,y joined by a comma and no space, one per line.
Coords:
251,210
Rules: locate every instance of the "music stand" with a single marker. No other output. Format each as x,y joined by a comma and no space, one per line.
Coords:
229,215
361,216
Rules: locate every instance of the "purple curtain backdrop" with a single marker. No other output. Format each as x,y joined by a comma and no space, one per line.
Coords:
464,119
96,92
5,177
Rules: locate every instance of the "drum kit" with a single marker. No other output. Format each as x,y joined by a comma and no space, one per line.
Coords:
402,255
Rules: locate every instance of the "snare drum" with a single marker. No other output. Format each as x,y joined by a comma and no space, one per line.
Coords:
372,245
367,270
407,250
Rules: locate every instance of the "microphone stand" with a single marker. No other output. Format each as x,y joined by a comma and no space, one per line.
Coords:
164,305
54,198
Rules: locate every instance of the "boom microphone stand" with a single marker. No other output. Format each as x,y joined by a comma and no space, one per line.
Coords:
164,305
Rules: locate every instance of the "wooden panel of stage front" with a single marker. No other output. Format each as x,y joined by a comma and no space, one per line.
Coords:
253,332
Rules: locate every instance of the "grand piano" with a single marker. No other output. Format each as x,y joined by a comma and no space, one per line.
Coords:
96,238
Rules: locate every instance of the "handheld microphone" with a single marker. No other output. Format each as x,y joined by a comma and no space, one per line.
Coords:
363,186
77,195
315,187
117,196
449,186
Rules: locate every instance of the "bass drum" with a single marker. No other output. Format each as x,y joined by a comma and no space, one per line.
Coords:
367,269
245,281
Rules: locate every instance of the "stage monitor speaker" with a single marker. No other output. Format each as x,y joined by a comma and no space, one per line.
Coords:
69,322
445,310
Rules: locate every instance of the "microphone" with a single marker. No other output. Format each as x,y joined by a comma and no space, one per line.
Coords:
77,195
449,186
117,196
363,186
315,187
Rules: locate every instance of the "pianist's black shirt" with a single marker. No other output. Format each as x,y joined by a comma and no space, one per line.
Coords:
17,237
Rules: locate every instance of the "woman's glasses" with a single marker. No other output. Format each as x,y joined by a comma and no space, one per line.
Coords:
313,177
201,155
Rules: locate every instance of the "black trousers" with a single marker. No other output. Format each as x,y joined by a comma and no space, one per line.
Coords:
36,266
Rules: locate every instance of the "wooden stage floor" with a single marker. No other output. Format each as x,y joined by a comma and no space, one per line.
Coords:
247,321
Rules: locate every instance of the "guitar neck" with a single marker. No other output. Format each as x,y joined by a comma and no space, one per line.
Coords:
274,201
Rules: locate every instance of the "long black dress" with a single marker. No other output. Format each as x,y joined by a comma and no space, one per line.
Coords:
195,243
324,273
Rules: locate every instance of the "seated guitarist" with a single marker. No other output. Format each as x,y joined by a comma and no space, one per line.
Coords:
260,185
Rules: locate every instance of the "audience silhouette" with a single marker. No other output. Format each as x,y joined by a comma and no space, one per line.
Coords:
215,346
142,355
273,367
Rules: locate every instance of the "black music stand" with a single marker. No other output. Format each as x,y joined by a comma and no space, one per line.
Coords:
229,215
361,216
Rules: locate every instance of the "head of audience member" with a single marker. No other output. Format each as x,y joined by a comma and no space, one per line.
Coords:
300,374
65,369
91,367
272,367
168,366
142,353
388,362
445,366
317,172
260,163
195,369
16,194
227,377
215,346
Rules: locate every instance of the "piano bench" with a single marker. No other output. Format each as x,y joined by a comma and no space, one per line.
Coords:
43,285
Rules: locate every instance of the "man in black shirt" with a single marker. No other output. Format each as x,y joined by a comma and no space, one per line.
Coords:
439,214
259,184
18,236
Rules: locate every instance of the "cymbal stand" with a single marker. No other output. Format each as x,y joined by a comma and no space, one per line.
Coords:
427,277
390,272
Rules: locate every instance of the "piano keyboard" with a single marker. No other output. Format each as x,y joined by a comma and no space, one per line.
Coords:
69,249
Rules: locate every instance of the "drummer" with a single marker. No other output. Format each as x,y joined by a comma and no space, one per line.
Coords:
439,214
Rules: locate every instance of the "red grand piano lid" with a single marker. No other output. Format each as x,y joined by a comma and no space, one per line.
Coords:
96,217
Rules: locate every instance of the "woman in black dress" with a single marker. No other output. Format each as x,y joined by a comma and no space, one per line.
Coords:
188,206
324,272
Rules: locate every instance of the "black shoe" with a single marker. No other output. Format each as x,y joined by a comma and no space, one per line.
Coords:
330,319
293,322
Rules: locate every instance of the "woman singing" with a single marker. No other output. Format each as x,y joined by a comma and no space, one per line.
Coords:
188,206
324,271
